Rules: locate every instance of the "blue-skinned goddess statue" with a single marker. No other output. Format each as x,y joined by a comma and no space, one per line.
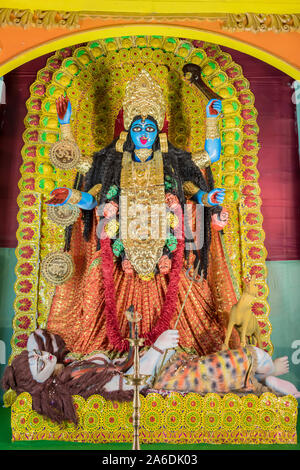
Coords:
150,214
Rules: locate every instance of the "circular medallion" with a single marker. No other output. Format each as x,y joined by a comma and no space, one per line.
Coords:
57,267
192,420
65,154
63,215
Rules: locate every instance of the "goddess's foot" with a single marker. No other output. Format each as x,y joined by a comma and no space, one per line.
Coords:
281,366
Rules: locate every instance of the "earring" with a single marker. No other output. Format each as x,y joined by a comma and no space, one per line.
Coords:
120,142
163,142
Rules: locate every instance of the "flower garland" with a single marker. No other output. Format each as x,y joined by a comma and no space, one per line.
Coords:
169,306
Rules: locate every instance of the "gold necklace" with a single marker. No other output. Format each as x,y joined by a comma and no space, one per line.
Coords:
141,175
143,154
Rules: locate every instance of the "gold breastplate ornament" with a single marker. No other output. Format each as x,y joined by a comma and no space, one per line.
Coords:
143,226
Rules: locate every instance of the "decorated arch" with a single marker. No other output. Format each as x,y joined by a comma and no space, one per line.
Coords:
94,75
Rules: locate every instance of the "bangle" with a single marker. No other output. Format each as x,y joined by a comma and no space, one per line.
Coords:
190,189
96,192
212,128
205,200
66,133
75,197
157,349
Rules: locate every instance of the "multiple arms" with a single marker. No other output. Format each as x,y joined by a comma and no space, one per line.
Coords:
213,148
210,155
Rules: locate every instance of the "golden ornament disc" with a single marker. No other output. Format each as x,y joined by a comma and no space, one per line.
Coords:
65,154
63,215
57,267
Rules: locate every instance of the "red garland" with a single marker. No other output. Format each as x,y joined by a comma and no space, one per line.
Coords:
169,307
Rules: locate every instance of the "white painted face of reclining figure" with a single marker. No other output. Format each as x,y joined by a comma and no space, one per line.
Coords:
41,364
32,343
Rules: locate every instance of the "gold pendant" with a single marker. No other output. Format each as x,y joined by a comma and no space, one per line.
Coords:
57,267
143,154
63,215
65,154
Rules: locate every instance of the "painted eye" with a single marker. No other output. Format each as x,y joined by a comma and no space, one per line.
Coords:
150,129
137,129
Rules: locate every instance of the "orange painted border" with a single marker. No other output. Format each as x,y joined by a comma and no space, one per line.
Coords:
19,45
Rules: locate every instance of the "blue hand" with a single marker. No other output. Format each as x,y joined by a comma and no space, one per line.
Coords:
59,197
213,104
67,116
216,196
213,146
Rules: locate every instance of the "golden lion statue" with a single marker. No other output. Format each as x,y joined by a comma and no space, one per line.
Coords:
242,318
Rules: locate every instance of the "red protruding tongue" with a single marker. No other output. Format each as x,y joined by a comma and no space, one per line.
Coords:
143,141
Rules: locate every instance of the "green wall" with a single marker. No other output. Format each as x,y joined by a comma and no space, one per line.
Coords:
284,300
7,295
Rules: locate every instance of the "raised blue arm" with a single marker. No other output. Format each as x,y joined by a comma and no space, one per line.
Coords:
213,145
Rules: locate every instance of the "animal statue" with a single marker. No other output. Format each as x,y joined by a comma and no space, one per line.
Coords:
241,316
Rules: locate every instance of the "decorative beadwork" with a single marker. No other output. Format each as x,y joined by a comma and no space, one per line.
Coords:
177,418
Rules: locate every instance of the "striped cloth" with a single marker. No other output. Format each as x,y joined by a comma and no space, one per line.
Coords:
221,372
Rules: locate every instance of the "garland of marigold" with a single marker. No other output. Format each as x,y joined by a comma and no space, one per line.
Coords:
112,327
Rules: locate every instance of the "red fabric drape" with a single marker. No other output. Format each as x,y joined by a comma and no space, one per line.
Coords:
278,157
11,129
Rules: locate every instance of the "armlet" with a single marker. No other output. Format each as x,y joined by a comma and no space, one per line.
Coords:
189,189
95,191
201,159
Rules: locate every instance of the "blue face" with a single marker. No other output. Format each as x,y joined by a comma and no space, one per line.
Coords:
143,133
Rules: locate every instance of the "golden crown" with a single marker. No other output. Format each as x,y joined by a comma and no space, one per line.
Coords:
143,97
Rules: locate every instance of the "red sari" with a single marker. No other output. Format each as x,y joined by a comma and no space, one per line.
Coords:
78,307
